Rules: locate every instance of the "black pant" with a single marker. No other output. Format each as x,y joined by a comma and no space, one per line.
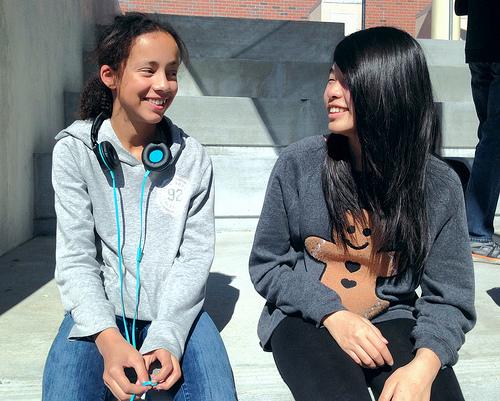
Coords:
315,368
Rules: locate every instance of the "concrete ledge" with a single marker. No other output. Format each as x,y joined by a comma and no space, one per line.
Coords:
443,52
32,308
458,124
256,39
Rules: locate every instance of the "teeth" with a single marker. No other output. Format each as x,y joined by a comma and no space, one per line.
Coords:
158,102
336,110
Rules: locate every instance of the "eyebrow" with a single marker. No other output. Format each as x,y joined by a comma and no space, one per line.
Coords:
156,64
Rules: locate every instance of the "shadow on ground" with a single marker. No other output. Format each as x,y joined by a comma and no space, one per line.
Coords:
24,270
220,299
494,293
30,266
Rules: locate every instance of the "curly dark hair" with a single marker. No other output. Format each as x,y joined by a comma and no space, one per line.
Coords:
113,49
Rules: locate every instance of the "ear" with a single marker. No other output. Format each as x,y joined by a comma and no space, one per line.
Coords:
109,76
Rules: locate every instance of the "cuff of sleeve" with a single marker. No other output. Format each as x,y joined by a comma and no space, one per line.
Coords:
89,322
446,355
165,335
322,310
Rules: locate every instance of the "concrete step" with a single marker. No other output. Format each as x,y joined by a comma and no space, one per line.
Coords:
26,275
458,125
248,121
253,78
451,83
254,39
230,121
241,121
241,175
293,80
279,122
443,52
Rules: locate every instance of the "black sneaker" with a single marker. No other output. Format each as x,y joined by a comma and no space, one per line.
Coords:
487,252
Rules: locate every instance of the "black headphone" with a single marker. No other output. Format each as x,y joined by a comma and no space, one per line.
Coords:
156,156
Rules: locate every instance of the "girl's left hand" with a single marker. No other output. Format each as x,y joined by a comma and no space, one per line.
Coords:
413,381
170,370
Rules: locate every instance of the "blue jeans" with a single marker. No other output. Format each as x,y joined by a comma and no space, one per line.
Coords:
482,192
74,369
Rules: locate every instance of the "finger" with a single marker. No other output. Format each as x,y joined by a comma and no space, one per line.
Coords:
116,390
373,352
354,357
148,360
124,384
173,377
166,367
139,366
366,360
388,391
375,330
382,350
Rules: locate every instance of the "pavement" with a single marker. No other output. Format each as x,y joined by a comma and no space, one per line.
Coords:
30,314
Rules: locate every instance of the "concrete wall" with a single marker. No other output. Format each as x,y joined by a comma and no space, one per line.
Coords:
41,45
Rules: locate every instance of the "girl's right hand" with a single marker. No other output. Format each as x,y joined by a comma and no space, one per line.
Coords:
118,354
359,338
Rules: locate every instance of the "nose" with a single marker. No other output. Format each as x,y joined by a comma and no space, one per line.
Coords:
333,90
162,83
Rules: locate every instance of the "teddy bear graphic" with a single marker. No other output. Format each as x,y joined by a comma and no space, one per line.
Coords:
352,271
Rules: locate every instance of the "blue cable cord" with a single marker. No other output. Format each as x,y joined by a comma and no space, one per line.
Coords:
138,259
138,270
120,258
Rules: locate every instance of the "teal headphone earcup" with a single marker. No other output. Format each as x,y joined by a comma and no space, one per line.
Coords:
156,156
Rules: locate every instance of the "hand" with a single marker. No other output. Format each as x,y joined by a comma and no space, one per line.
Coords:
413,381
359,338
118,354
170,370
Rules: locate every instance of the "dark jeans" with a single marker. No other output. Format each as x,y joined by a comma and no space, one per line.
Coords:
74,369
484,185
315,368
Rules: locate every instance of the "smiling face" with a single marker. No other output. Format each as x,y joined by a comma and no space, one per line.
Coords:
147,83
357,236
338,104
351,230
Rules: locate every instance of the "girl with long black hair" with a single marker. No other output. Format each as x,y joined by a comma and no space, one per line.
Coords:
352,224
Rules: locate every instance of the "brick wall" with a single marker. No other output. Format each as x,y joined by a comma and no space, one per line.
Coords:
399,13
262,9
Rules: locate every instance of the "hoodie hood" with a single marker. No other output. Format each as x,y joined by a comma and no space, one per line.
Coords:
80,130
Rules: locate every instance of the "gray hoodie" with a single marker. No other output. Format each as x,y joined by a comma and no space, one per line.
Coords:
177,236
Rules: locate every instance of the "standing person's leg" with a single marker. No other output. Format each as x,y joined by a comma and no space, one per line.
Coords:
484,183
73,370
313,366
206,371
398,334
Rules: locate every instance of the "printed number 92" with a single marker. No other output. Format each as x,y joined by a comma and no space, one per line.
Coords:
174,194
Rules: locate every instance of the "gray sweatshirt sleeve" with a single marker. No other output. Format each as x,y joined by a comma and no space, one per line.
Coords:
273,258
77,270
445,310
184,286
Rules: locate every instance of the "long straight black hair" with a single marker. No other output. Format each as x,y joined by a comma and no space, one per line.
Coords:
386,73
113,49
